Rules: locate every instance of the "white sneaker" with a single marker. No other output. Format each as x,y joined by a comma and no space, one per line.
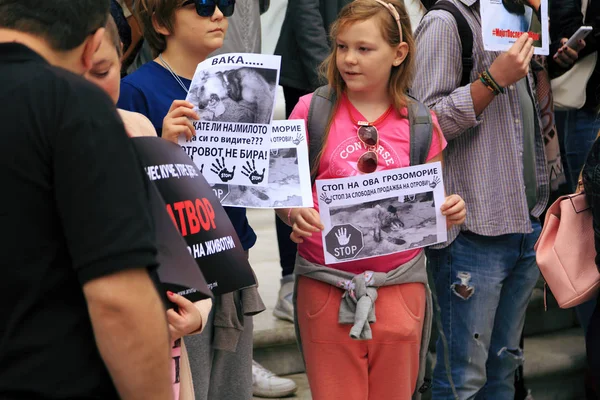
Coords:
267,384
284,309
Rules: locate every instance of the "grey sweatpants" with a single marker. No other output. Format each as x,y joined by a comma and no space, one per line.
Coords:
218,374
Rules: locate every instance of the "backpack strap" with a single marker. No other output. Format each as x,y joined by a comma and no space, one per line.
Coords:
319,113
421,131
466,37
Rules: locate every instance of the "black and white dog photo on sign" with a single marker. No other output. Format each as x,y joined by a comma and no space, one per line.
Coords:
284,184
391,225
242,94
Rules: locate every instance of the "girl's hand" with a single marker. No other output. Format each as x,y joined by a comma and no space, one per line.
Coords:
177,121
304,222
454,210
186,320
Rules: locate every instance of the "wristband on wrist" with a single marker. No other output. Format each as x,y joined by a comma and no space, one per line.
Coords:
493,80
491,89
289,217
490,79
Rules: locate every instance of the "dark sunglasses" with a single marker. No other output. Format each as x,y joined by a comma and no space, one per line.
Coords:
206,8
369,135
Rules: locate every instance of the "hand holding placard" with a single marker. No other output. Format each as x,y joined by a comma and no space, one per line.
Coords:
513,65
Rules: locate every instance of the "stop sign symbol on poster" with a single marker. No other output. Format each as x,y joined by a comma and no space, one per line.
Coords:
221,191
344,242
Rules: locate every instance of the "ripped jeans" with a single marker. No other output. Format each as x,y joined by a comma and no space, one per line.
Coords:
483,286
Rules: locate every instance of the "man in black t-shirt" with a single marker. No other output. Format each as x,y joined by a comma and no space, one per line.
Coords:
80,317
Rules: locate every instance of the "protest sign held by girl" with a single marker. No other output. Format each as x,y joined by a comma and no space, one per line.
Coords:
370,70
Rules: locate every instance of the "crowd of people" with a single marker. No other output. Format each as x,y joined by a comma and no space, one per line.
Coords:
83,317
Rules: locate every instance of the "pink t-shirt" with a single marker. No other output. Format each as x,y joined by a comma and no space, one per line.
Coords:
339,160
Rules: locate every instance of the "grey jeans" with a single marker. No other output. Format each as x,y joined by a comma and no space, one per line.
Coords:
218,374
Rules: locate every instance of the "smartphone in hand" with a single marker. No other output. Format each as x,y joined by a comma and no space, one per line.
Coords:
581,34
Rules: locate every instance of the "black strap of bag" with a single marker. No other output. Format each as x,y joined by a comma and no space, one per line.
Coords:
466,37
321,109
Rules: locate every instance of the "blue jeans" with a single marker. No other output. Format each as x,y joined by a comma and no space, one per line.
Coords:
577,130
483,285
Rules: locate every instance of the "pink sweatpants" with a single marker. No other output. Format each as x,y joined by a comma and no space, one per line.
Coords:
338,367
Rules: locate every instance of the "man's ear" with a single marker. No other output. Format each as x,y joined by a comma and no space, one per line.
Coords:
401,54
90,47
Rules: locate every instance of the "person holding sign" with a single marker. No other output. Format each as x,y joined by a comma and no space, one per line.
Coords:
81,317
182,34
491,116
369,69
190,318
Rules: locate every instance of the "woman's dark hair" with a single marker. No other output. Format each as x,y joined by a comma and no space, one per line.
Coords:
64,24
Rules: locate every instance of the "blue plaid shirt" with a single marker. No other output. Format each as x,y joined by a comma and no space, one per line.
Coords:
484,157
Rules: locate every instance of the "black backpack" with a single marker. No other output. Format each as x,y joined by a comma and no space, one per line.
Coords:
319,113
464,32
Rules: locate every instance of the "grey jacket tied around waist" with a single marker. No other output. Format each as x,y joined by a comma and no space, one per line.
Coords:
357,305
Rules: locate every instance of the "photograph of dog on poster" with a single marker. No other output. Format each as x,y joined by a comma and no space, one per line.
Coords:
391,225
241,94
284,184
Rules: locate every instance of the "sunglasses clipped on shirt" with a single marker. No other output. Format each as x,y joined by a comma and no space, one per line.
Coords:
369,135
206,8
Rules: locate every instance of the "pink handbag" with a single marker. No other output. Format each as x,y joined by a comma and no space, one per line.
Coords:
565,251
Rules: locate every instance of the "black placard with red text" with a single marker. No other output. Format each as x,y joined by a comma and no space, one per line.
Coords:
177,270
198,215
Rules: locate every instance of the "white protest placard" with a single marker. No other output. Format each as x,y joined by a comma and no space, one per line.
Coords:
289,173
382,213
234,95
504,21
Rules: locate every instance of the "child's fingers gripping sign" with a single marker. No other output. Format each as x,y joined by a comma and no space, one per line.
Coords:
186,320
177,121
304,221
454,210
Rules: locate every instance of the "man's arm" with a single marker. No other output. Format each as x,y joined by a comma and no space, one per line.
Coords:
103,204
508,68
130,327
311,36
440,70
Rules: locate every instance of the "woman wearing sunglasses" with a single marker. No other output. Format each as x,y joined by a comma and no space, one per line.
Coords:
370,68
181,34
